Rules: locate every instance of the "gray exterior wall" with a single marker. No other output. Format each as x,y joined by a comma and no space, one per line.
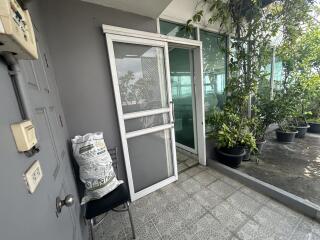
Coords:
78,49
33,216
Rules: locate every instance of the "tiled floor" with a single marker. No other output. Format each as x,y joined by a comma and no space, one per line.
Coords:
185,160
204,204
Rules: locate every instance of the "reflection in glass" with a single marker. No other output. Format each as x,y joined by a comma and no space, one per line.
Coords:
181,61
141,76
214,69
176,30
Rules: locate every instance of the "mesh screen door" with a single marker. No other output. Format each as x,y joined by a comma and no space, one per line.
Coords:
141,83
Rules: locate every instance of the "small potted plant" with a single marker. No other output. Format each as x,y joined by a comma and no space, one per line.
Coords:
314,116
283,110
286,132
301,126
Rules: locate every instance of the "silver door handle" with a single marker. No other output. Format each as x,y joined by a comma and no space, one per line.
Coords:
68,202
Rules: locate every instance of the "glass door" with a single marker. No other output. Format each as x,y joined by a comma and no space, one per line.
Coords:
140,75
182,83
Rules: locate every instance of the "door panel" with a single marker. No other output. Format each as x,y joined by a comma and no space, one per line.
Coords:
140,77
151,159
51,137
182,82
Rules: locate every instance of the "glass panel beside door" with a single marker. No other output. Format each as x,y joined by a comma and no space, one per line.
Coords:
181,73
144,104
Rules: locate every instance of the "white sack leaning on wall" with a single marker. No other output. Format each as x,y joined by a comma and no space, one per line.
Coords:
95,164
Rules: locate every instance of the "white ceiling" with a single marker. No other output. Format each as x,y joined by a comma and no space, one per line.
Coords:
149,8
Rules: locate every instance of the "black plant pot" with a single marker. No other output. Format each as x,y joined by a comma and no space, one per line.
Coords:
287,137
247,155
302,130
260,145
231,157
314,128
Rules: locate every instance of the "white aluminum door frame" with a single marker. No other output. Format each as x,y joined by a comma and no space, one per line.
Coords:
111,38
118,34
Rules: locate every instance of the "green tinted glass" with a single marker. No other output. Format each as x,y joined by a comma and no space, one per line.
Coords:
214,69
176,30
182,94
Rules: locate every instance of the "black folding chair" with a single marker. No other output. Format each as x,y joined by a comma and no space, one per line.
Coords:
119,196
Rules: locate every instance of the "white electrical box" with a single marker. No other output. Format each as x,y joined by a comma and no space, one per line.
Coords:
16,31
33,176
25,135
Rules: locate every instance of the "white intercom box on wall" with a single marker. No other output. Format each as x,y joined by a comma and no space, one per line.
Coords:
16,31
24,135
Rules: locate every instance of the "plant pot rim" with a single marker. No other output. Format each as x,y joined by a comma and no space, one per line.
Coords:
232,155
308,126
261,141
289,132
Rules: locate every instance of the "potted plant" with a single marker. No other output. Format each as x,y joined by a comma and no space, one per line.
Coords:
283,111
313,113
302,127
232,135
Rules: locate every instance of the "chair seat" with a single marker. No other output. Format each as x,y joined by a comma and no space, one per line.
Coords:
113,199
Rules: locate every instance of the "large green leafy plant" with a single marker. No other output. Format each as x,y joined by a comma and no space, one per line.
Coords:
253,26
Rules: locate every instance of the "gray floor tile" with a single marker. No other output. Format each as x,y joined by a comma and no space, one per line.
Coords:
229,216
147,208
244,203
207,228
205,178
254,231
310,225
221,188
190,186
195,170
304,232
191,162
232,182
173,193
182,166
146,232
255,195
275,221
283,210
215,173
182,177
168,222
190,210
181,157
207,198
111,227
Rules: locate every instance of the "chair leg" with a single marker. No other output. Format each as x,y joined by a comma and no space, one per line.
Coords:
131,221
91,228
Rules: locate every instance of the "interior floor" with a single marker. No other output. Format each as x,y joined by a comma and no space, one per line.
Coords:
292,167
185,160
205,204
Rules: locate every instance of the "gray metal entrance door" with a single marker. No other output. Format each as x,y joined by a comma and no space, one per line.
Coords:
47,117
